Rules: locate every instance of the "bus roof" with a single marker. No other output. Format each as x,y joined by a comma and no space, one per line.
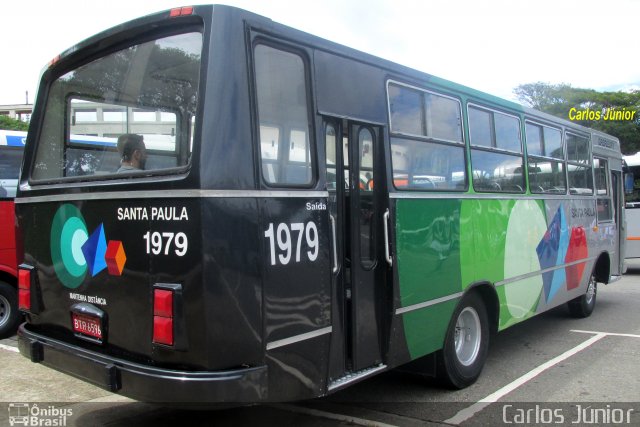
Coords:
633,159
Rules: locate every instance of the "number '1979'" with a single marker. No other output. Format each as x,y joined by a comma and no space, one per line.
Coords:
283,236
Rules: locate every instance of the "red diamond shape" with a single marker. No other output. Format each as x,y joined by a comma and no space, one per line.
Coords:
115,257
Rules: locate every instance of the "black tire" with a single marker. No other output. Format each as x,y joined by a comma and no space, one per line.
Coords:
460,362
583,306
9,314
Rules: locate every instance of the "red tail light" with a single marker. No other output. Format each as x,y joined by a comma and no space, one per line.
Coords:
163,316
24,289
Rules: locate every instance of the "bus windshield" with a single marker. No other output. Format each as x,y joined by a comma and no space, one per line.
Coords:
149,90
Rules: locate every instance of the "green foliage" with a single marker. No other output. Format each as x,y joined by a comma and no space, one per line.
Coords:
7,123
565,102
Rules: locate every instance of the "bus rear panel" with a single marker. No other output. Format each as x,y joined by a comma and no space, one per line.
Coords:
138,278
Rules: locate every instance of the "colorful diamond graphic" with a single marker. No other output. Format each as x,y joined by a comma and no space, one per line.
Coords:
115,257
552,250
577,250
94,250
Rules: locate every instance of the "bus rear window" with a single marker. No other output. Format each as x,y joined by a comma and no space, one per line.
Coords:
128,112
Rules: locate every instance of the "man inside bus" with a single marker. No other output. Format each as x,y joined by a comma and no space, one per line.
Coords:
133,153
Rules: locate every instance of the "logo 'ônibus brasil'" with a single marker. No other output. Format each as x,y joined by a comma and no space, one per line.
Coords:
74,251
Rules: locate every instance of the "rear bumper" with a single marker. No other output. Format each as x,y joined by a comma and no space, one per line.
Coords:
144,382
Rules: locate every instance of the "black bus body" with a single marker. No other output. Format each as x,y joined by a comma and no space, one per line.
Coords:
231,269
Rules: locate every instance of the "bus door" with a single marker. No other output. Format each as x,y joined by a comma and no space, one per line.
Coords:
617,264
357,203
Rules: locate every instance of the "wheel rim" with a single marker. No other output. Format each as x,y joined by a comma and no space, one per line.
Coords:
5,311
467,336
591,290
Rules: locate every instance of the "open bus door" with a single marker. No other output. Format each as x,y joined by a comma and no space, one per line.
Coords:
618,267
358,201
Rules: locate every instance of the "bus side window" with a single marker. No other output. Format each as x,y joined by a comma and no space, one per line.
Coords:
427,150
496,151
579,165
604,204
547,172
283,116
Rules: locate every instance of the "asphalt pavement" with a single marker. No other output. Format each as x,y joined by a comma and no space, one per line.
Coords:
549,370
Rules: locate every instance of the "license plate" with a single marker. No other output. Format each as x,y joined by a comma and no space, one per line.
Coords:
87,325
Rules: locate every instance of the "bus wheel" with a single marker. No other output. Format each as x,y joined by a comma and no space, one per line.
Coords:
583,305
9,314
462,358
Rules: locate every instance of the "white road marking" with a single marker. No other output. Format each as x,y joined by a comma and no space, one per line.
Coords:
9,348
110,398
330,415
470,411
613,334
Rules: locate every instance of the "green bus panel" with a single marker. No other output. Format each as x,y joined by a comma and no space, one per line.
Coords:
523,247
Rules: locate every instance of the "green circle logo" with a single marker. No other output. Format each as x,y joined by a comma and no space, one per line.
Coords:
68,235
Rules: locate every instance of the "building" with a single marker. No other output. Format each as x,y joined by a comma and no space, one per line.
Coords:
20,112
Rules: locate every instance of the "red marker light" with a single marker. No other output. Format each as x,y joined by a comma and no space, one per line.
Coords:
54,61
162,303
24,290
163,316
181,11
163,330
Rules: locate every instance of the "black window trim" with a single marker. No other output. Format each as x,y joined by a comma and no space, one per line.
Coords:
494,146
543,125
589,156
425,137
278,44
610,190
195,25
495,149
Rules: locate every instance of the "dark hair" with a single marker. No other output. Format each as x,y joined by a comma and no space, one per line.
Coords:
128,143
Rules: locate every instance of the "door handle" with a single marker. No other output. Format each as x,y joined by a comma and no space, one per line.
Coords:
387,254
333,244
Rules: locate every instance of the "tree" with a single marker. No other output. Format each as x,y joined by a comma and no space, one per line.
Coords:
7,123
565,102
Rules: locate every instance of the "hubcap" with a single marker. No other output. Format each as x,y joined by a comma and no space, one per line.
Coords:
467,336
5,311
591,290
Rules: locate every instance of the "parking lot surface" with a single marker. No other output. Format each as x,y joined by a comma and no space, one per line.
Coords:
552,369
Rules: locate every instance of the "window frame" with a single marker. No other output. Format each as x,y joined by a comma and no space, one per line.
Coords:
177,153
575,163
427,139
544,156
303,54
144,176
494,148
494,140
423,118
609,191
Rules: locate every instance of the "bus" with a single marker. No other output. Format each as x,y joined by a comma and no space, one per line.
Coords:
318,216
11,149
632,205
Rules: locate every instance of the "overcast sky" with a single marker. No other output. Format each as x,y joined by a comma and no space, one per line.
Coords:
490,45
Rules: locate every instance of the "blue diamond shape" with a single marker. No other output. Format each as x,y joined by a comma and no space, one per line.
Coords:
94,250
552,250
